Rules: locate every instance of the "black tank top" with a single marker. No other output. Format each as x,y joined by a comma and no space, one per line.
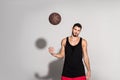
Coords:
73,64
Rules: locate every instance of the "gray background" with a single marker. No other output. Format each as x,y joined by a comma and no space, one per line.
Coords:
26,34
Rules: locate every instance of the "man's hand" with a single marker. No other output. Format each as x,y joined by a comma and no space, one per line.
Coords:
51,51
88,75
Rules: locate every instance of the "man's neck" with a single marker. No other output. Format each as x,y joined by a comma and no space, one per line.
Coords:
73,37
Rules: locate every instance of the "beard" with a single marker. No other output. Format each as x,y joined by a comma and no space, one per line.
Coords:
75,34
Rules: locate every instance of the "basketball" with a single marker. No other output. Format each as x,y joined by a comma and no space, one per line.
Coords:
54,18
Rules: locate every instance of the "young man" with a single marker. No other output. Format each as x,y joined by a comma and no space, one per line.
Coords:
74,49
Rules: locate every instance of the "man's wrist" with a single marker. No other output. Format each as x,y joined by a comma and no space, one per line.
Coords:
54,54
89,70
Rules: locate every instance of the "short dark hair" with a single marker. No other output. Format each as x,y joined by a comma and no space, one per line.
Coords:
78,25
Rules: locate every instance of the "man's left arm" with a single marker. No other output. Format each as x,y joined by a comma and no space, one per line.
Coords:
86,58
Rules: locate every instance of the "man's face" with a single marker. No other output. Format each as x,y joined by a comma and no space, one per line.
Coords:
76,31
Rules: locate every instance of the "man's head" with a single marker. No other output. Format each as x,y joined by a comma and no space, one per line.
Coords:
76,29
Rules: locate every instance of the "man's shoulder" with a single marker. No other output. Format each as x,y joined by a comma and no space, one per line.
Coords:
64,39
84,41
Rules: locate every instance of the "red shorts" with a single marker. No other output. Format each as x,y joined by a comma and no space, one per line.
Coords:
76,78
